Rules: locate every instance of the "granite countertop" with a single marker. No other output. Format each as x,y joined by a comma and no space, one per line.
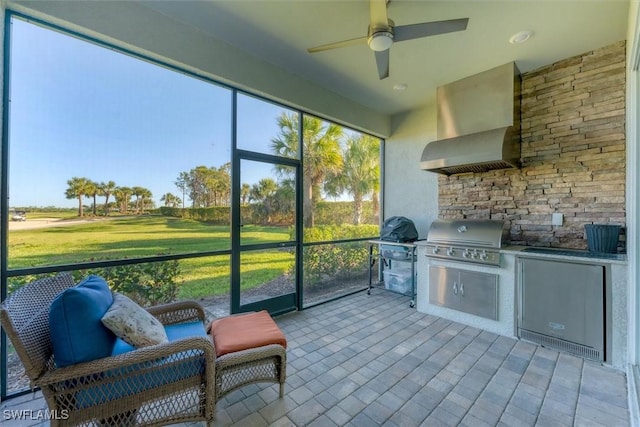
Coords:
556,253
564,254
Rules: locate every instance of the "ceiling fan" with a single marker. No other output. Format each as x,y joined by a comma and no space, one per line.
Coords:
383,33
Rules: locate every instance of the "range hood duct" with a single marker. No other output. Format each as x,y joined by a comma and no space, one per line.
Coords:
478,124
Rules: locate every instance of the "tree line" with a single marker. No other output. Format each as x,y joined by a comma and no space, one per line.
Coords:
334,163
80,187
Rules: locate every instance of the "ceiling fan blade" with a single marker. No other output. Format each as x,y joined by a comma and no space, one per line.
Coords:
336,45
415,31
378,13
382,61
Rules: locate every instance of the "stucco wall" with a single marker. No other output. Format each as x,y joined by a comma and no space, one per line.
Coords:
409,191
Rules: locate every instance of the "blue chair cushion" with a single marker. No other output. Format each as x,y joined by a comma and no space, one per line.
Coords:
174,332
148,375
77,334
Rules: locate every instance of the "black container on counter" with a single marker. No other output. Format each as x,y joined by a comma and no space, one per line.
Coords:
602,238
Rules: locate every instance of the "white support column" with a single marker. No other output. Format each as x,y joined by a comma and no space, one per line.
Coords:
633,210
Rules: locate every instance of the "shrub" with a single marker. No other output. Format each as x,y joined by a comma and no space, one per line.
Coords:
218,215
335,213
323,263
326,213
148,283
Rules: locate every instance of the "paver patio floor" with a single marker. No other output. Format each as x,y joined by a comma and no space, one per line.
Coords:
370,360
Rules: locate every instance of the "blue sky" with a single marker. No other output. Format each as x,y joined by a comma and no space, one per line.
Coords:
77,109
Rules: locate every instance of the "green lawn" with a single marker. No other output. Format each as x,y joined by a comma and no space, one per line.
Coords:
129,237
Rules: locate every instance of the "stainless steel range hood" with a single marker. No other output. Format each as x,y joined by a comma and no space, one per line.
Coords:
478,124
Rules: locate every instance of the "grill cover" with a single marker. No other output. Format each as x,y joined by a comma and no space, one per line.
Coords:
467,232
399,229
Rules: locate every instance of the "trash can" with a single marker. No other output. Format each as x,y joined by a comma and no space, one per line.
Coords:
602,238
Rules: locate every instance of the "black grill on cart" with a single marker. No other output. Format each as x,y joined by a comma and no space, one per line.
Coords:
397,254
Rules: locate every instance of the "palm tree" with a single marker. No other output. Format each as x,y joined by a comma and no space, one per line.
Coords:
145,198
263,193
322,156
123,195
360,176
170,200
78,188
119,195
137,192
93,191
284,200
244,193
107,189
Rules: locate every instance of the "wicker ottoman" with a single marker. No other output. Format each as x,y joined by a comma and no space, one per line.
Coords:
250,348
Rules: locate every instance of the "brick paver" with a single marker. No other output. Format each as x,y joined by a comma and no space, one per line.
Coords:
370,360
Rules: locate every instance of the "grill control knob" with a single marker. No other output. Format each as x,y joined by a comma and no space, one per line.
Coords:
450,252
474,254
436,249
484,255
466,253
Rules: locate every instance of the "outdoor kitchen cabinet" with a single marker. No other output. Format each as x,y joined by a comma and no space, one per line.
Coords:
562,305
469,291
390,255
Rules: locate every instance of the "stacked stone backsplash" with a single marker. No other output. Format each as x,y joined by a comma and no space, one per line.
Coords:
573,156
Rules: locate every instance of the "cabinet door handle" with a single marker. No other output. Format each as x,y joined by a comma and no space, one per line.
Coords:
462,289
455,288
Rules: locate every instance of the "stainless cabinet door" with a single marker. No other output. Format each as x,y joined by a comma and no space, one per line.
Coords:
443,286
564,300
469,291
479,294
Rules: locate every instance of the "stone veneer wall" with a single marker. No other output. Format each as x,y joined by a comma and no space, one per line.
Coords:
573,156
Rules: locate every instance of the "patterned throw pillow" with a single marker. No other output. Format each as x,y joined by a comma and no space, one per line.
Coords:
133,324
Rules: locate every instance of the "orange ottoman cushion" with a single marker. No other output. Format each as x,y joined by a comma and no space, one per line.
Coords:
245,331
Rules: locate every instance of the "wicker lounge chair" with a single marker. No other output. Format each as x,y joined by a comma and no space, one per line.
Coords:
160,384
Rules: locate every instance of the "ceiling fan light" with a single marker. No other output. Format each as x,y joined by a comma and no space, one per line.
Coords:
380,41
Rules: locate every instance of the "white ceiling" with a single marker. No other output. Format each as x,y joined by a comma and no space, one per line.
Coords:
280,32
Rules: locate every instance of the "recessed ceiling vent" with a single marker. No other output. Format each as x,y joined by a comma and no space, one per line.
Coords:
478,124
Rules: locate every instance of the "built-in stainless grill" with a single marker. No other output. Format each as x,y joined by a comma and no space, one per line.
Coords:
467,240
473,245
